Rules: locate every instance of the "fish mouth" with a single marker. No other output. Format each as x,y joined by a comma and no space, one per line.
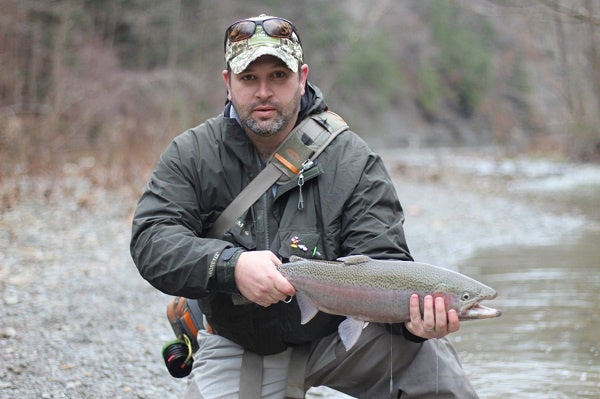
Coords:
479,311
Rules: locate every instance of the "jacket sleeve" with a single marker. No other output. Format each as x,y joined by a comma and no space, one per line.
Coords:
166,243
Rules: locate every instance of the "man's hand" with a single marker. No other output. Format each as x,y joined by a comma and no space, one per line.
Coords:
258,279
435,323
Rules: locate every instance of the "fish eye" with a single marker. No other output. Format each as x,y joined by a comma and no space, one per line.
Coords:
466,296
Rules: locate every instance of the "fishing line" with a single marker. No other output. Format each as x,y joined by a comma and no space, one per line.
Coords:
391,365
437,373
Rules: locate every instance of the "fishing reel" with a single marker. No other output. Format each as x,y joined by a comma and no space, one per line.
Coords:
178,356
186,319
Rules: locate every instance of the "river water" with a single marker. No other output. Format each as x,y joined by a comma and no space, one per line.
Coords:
547,342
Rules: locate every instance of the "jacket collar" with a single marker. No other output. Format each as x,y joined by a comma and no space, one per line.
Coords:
236,141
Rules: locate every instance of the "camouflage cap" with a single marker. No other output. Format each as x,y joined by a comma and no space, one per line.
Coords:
240,54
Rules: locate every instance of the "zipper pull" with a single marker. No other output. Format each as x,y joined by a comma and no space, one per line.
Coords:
305,165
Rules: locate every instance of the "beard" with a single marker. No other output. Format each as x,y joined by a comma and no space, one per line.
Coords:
271,129
266,128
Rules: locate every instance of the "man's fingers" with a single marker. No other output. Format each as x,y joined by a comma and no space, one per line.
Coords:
285,287
441,323
415,310
453,321
435,321
428,314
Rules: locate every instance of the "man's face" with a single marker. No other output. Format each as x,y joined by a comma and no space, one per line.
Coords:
266,95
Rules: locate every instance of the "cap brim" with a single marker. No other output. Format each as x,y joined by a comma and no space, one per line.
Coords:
242,61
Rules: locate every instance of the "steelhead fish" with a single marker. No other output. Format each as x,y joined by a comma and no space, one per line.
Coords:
369,290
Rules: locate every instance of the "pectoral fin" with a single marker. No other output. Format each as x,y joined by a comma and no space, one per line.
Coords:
350,331
308,310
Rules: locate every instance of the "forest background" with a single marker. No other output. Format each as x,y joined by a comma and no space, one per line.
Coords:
103,86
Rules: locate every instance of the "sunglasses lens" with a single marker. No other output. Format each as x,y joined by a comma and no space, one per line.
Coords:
241,31
276,27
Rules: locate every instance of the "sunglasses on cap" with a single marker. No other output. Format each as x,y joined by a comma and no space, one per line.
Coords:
274,27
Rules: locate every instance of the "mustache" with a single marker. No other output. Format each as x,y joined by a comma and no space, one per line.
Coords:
264,104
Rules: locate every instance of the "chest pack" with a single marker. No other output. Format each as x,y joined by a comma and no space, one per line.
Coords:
289,161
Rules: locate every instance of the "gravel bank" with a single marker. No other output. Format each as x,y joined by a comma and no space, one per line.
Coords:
77,320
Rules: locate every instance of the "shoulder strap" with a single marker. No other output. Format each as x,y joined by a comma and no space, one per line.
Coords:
305,142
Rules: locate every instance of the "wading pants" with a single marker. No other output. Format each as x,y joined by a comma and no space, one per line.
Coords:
427,370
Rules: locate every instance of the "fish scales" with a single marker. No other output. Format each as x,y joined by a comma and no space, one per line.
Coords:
368,290
375,289
378,291
365,303
387,275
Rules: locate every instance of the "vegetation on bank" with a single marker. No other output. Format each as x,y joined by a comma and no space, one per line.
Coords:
112,82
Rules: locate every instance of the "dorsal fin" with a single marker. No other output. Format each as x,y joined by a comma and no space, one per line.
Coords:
354,259
294,258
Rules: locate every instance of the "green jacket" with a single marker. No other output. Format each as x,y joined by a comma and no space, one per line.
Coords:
350,207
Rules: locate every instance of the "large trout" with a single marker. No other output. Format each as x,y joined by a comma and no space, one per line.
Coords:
369,290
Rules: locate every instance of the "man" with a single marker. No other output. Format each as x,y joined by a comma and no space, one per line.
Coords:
346,205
